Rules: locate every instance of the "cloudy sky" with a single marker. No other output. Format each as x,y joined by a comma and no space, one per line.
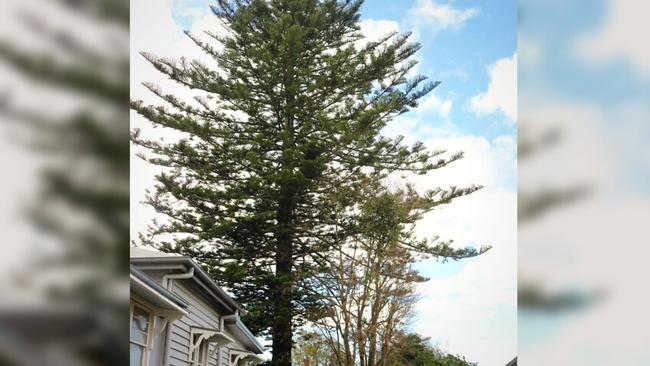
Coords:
584,69
467,307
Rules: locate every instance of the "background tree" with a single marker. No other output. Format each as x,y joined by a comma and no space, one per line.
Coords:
293,114
414,350
313,348
369,290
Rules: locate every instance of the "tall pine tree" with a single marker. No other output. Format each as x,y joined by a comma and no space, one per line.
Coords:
292,119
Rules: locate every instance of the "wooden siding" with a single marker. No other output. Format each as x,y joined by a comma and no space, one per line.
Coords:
200,314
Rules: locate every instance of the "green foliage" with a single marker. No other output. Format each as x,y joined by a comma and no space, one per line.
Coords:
413,350
453,360
368,289
388,217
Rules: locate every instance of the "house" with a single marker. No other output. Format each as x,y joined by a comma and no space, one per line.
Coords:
513,362
180,317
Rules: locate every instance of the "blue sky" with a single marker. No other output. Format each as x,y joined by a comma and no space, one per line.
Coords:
468,307
610,82
459,57
456,57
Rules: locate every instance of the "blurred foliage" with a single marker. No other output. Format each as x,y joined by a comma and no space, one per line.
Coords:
84,201
531,206
534,297
82,205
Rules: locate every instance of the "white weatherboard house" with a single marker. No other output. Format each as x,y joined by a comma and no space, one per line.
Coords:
180,317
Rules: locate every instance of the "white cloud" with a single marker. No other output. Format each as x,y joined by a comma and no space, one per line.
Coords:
489,163
192,9
374,29
424,121
401,126
436,104
501,93
621,36
473,312
157,33
582,155
437,16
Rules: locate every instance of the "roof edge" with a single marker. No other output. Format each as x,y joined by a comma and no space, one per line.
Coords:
235,319
165,295
198,272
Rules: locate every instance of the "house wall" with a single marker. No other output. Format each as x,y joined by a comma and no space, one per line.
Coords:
200,314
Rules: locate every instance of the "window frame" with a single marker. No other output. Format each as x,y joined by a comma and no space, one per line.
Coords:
146,346
199,353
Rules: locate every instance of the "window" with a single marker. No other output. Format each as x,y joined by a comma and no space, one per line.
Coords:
141,320
199,349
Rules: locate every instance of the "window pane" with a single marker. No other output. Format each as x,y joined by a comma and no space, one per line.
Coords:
136,355
139,337
139,325
202,352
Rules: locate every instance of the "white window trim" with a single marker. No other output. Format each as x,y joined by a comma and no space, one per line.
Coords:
148,338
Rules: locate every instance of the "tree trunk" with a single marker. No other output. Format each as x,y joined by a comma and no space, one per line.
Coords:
282,322
283,286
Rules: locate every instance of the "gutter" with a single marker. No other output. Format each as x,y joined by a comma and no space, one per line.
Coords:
205,281
161,292
162,298
166,283
258,348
